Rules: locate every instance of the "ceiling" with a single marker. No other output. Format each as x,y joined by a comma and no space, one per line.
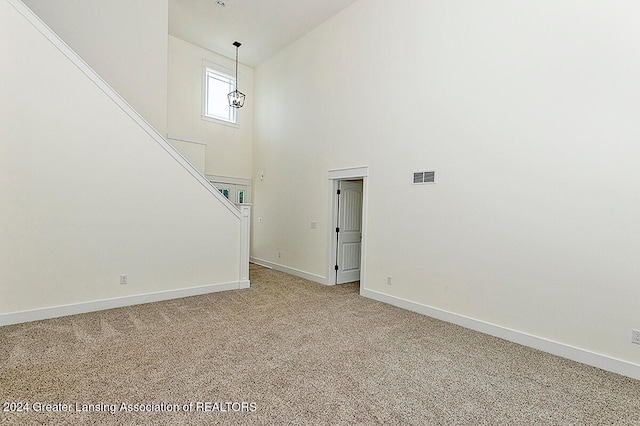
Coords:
264,27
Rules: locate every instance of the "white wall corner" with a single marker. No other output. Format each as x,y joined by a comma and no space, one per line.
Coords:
291,271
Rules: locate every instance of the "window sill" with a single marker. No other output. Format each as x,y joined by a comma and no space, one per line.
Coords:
217,121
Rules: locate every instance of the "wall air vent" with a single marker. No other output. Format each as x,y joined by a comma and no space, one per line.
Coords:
424,177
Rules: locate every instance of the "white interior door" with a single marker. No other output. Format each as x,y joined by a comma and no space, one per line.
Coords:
349,231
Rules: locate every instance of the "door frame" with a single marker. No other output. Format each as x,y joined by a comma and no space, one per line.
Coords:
335,176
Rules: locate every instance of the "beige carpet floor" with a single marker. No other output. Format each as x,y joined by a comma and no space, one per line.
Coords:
289,351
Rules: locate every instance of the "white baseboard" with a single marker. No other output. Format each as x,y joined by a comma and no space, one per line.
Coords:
119,302
290,271
583,356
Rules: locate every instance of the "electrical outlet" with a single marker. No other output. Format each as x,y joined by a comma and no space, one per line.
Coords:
388,280
279,255
123,279
635,337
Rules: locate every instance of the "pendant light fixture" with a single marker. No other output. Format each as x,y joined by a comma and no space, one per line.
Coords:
236,98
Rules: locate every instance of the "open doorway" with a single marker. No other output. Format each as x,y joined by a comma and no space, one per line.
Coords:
347,209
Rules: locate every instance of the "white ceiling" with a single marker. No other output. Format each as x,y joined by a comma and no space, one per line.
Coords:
264,27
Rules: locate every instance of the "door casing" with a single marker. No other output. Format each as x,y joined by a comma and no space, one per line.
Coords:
335,176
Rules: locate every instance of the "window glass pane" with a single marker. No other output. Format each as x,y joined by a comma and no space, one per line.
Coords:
216,102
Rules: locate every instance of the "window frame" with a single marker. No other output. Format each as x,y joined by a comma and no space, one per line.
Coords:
225,73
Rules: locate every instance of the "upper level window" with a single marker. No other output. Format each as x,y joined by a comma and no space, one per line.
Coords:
217,86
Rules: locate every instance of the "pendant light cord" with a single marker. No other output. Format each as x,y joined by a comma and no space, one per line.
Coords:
237,45
236,98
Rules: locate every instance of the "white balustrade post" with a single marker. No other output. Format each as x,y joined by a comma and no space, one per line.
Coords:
245,226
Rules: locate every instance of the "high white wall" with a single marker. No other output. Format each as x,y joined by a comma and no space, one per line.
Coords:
228,148
87,194
195,153
528,112
124,41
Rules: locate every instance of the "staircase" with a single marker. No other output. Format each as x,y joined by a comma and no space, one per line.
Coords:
91,192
